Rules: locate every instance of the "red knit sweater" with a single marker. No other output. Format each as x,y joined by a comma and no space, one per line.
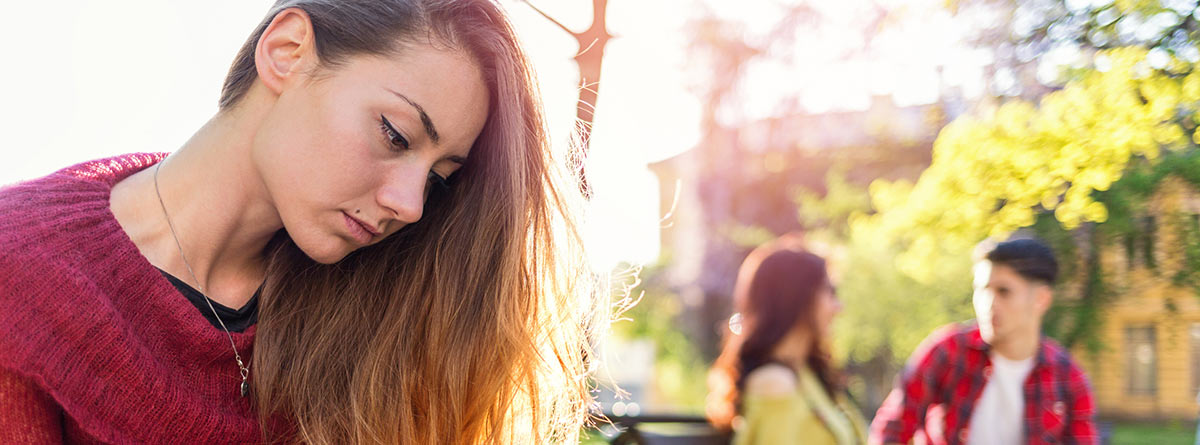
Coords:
95,345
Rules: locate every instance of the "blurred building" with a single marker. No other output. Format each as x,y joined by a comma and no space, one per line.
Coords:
747,178
1149,366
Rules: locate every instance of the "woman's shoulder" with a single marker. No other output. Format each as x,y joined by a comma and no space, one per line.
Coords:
57,238
58,218
771,380
34,210
773,410
88,183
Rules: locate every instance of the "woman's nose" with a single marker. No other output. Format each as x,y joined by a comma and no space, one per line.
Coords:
403,194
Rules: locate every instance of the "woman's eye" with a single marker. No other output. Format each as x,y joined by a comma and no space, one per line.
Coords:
394,137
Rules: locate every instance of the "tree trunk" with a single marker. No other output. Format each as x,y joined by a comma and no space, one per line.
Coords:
589,60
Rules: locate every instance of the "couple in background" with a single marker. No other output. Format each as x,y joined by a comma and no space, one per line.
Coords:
994,381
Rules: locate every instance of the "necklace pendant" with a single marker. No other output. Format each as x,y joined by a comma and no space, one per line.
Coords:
245,388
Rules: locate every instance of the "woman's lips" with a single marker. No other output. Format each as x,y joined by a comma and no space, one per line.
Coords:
360,231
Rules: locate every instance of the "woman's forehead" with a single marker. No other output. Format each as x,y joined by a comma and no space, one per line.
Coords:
443,84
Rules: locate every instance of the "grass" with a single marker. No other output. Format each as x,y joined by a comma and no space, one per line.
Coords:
1123,433
1170,433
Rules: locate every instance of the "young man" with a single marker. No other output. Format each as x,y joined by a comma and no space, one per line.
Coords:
998,381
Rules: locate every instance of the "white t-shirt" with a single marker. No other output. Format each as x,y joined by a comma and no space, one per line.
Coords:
999,415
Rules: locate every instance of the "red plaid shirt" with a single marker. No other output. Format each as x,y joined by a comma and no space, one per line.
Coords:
938,389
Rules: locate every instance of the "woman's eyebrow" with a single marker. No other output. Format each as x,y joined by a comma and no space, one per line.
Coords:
425,120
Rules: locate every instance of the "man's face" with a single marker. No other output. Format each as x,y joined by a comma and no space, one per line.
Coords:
1007,304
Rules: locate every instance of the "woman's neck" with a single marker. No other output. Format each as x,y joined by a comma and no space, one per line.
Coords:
793,349
221,211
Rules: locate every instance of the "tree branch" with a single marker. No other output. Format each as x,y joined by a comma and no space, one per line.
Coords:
551,19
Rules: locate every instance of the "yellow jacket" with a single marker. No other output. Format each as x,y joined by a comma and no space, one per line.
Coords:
805,415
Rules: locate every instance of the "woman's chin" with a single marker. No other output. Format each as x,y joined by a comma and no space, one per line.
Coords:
326,253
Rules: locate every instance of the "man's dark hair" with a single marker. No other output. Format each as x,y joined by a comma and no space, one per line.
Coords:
1030,258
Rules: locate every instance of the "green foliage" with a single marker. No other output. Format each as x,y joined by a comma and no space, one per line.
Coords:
1189,275
1026,35
1126,198
592,437
654,314
1089,153
886,312
832,211
993,174
1074,321
1126,201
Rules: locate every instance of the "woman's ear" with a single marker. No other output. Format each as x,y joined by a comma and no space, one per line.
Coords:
286,50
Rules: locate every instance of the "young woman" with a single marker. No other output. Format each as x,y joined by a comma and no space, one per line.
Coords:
368,243
773,383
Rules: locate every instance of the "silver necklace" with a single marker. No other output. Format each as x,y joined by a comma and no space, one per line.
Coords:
244,388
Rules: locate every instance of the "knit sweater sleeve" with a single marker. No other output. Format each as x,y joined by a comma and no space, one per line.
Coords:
30,416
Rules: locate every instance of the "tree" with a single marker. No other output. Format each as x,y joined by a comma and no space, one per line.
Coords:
885,312
1077,157
990,175
590,58
1039,45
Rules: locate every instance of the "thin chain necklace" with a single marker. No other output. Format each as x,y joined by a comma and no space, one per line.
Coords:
244,388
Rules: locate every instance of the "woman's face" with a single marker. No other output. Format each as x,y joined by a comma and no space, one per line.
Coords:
349,154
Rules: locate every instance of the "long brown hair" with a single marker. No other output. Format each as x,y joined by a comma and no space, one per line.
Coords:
777,288
469,326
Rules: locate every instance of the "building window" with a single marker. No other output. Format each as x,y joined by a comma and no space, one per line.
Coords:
1141,358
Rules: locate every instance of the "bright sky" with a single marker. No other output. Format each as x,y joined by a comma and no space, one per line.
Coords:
87,79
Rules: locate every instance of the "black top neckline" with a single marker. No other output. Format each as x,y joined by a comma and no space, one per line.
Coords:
236,320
